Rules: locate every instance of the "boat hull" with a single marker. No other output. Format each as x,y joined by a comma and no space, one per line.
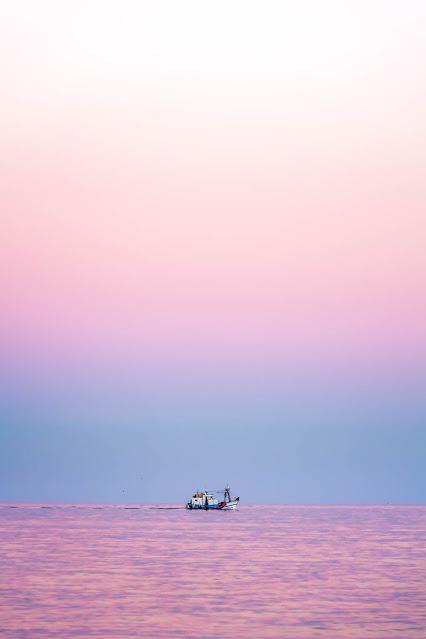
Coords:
231,505
224,505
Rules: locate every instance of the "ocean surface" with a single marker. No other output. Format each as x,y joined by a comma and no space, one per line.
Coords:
295,572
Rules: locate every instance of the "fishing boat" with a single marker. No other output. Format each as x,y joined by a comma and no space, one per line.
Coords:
207,500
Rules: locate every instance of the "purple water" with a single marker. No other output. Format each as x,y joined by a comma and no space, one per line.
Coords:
334,572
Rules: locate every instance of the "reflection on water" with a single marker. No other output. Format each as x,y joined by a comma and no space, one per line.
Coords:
294,572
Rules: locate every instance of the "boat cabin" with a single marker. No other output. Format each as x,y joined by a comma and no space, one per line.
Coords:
199,500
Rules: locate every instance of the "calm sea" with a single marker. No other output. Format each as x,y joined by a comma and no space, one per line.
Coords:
261,571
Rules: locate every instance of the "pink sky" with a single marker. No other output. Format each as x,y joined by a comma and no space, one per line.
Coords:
223,186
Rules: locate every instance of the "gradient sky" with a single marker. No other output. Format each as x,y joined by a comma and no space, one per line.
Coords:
213,250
